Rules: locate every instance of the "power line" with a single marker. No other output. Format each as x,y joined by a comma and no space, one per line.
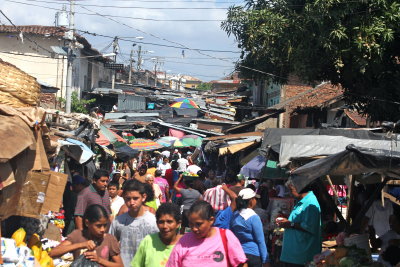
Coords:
122,17
161,1
185,47
26,37
155,44
136,7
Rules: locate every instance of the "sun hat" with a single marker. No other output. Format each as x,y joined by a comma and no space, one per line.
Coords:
248,193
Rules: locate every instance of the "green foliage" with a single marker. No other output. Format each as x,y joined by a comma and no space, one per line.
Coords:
352,43
78,105
204,86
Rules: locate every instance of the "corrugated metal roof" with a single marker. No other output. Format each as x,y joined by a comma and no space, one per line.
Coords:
131,102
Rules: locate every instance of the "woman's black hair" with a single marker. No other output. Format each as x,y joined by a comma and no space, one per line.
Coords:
242,203
170,209
158,173
94,213
133,185
174,165
203,208
149,192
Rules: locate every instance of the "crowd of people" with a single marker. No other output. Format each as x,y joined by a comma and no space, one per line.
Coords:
161,209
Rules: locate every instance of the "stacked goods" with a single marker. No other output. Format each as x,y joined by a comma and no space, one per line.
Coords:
17,89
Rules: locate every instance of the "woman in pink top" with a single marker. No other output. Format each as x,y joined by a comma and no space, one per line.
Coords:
206,245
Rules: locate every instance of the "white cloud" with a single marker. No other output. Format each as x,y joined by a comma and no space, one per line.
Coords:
204,35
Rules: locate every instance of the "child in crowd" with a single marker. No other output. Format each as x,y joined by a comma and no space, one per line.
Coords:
154,250
116,201
206,245
100,247
131,227
164,186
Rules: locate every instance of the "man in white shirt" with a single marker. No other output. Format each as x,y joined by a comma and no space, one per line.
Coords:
183,163
193,169
164,166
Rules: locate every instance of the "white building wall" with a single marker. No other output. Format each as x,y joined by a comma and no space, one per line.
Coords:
50,68
34,60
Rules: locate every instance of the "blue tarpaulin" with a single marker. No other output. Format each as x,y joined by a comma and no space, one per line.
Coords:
254,167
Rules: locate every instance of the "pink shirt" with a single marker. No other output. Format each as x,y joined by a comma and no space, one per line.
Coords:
210,252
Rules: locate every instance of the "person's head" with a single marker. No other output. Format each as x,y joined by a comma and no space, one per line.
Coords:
78,183
292,189
134,194
95,220
113,188
158,173
201,174
201,218
174,165
168,217
149,192
149,179
188,183
251,186
116,177
152,164
165,160
247,198
100,179
240,179
142,170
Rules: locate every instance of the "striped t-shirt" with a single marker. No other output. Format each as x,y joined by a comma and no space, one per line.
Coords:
90,196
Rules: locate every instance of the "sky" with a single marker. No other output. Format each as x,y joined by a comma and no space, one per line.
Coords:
193,24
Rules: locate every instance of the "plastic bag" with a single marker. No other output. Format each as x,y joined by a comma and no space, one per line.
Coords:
81,261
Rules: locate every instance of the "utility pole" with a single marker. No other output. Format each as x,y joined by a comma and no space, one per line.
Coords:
115,50
70,57
155,72
130,66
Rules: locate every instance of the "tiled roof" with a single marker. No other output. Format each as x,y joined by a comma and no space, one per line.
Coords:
48,31
356,117
317,97
35,29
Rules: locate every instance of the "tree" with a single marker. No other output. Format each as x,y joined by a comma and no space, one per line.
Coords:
204,86
354,43
78,105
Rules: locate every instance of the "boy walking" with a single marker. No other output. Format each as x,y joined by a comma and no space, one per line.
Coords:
131,227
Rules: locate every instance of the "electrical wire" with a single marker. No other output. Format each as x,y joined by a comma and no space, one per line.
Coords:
26,37
122,17
155,44
135,7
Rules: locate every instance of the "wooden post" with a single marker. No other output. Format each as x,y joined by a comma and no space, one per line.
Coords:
350,196
328,177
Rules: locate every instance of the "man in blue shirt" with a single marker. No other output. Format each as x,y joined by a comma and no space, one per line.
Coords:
302,236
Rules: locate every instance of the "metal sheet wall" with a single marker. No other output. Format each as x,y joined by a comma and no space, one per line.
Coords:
131,102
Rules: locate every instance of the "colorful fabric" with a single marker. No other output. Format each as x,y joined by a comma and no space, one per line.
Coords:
185,103
131,231
152,252
89,196
164,186
217,198
144,144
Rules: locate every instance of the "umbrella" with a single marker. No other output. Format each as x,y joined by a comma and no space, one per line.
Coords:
186,103
144,144
192,140
125,153
177,143
166,140
107,136
180,99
